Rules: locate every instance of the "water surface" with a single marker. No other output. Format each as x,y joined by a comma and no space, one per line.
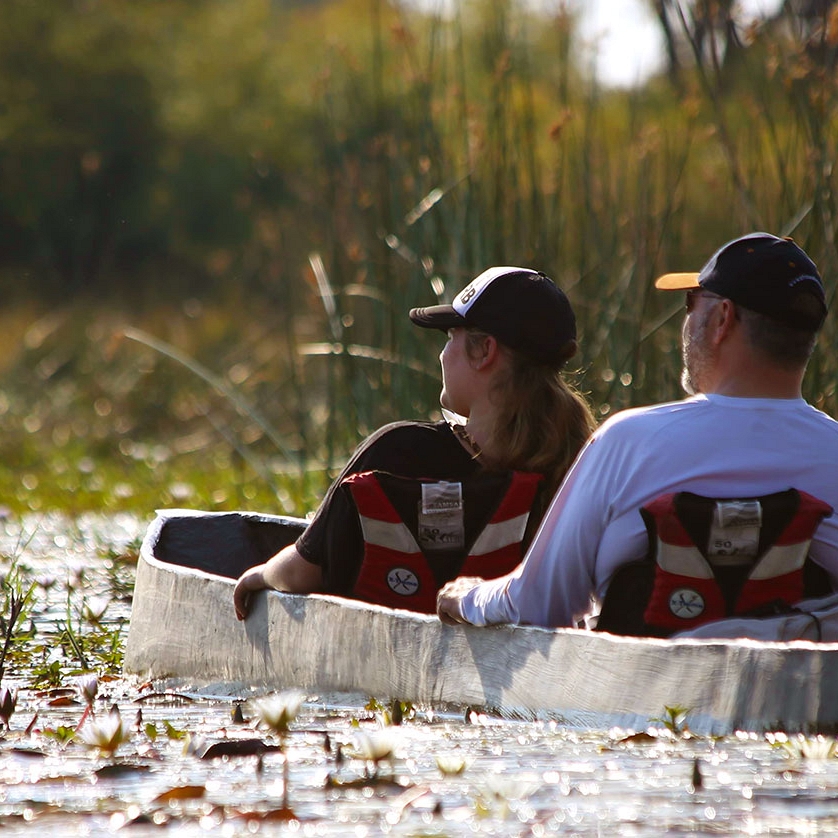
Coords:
517,778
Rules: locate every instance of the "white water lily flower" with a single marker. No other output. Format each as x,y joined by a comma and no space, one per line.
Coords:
94,608
376,746
276,712
810,747
88,687
105,734
451,765
502,787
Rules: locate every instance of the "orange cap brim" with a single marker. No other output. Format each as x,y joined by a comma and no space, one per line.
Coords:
677,282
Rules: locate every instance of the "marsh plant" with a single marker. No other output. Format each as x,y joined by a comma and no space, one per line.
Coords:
276,712
445,143
451,766
88,687
17,599
674,720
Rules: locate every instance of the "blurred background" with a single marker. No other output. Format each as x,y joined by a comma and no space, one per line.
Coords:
215,215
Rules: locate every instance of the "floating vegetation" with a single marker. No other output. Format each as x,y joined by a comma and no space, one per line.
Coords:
375,747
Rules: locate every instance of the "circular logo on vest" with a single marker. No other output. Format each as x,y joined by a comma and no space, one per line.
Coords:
686,603
402,581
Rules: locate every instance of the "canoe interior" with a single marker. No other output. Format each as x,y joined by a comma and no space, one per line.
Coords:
225,544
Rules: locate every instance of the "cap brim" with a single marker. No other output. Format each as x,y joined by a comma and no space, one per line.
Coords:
677,281
436,317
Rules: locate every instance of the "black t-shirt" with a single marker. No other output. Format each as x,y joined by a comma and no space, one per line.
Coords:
333,540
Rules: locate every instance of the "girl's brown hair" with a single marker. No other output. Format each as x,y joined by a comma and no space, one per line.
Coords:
542,420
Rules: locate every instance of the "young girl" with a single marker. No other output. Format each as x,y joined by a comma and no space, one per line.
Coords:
411,508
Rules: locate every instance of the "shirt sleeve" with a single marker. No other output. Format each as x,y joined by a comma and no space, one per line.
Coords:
333,539
554,584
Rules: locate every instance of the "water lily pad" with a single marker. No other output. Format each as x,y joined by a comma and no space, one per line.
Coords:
237,748
181,793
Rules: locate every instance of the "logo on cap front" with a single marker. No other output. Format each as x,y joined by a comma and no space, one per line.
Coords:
471,293
467,294
804,278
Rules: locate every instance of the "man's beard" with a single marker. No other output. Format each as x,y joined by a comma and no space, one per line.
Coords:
694,356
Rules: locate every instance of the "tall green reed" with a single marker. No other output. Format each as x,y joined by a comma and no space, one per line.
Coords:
474,140
440,145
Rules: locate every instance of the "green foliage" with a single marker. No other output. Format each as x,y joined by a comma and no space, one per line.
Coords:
62,734
674,720
47,673
393,712
172,732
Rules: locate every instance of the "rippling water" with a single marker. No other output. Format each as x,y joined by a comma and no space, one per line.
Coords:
518,778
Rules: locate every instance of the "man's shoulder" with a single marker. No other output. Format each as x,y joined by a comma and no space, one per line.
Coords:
703,413
643,419
818,416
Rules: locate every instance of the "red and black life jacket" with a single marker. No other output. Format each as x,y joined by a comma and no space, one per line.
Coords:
396,571
711,558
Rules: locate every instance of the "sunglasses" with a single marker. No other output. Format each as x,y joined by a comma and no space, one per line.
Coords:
695,293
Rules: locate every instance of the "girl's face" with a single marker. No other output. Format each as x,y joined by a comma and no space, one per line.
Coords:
457,373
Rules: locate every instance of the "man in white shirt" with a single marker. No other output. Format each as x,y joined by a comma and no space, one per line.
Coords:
753,315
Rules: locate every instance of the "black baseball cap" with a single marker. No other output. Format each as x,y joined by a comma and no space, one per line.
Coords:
764,273
522,308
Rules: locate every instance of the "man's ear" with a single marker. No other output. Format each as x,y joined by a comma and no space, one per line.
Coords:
488,352
723,320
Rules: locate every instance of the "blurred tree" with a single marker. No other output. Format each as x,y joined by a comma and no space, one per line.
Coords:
78,140
138,141
706,33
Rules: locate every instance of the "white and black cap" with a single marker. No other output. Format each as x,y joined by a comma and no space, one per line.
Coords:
522,308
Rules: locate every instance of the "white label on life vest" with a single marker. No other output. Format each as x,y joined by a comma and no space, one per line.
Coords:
734,532
441,524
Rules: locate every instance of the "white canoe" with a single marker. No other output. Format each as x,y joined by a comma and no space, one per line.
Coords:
183,627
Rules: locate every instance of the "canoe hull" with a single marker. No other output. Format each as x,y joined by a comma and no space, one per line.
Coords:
183,626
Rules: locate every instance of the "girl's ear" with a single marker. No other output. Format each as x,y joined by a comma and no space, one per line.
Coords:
487,353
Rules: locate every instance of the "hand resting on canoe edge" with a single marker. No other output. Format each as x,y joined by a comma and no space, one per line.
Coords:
450,596
289,571
286,571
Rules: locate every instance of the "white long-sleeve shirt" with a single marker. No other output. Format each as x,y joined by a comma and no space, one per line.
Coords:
711,445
